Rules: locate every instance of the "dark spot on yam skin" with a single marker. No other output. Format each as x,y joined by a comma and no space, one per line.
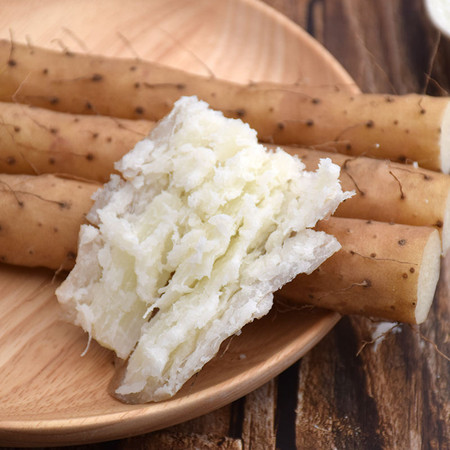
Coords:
373,255
310,123
137,85
45,71
55,229
369,222
395,122
401,159
240,112
94,135
402,242
412,270
352,252
89,156
16,129
12,62
311,296
1,227
413,303
407,131
280,125
423,111
76,120
30,252
10,160
39,224
315,101
133,68
51,161
389,99
348,147
139,110
97,77
21,204
404,275
427,177
271,109
213,95
71,255
3,258
370,124
64,205
54,100
88,105
439,224
54,130
367,283
392,307
109,139
181,86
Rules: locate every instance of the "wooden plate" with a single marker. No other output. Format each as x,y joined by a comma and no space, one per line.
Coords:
49,394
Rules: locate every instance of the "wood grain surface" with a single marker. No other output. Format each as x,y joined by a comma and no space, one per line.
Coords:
353,390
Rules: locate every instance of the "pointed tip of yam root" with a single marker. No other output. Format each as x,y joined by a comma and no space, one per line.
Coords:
429,276
445,140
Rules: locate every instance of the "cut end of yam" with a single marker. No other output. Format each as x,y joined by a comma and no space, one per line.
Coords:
446,227
445,141
439,13
429,276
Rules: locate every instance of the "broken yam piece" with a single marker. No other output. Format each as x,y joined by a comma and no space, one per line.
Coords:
191,242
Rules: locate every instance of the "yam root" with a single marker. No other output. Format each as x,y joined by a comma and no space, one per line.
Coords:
40,220
383,271
36,140
401,128
389,192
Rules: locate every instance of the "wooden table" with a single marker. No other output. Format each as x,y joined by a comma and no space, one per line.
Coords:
352,391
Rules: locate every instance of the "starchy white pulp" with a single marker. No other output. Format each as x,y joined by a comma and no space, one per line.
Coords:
190,243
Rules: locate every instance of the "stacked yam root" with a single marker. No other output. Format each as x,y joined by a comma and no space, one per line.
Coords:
66,118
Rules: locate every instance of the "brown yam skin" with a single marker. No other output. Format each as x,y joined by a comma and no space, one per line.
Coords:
386,191
36,140
374,274
400,128
40,219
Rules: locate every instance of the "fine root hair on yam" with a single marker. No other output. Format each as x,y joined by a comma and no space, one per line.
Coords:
389,192
403,128
383,271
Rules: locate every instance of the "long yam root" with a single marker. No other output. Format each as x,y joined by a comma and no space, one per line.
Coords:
388,271
36,140
384,271
401,128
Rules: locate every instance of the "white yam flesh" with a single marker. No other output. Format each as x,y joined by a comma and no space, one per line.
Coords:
189,245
